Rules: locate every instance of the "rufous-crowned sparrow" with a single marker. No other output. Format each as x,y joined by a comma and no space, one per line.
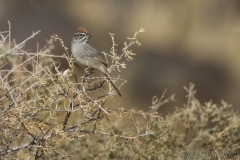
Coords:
84,54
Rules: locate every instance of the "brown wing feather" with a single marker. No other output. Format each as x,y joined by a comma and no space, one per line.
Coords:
93,53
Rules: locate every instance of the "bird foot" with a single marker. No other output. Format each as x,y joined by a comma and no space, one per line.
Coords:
88,71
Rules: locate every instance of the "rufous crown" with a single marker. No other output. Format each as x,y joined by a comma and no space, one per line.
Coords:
82,30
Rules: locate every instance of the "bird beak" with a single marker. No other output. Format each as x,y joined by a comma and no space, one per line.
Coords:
89,35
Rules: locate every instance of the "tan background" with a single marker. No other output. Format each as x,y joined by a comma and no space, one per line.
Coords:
185,41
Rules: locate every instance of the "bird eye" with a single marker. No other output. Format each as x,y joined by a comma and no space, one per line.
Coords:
80,35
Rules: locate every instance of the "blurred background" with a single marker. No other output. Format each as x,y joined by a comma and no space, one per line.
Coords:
185,41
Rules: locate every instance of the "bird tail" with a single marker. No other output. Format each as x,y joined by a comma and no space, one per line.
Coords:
114,86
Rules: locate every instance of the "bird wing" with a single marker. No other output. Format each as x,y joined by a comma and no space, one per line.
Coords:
94,54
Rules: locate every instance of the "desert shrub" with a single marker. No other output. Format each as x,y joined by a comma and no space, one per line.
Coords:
48,113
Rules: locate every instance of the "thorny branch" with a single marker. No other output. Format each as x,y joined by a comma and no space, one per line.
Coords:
50,111
41,105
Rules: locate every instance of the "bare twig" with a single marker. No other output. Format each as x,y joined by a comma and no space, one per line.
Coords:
11,51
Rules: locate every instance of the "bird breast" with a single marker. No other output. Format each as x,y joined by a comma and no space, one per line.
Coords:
78,54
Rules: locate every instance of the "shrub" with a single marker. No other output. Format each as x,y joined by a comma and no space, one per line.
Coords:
47,113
